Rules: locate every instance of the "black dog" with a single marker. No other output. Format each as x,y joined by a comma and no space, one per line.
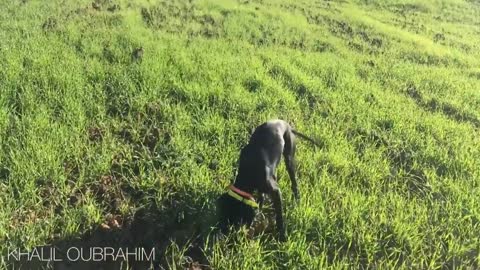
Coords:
258,162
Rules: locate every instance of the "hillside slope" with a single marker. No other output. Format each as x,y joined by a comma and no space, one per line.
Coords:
134,112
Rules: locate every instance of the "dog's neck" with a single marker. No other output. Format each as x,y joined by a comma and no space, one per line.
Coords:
243,185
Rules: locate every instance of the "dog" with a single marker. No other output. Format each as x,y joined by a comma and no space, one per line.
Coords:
257,165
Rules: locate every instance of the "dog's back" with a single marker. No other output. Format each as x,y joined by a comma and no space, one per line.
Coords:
269,133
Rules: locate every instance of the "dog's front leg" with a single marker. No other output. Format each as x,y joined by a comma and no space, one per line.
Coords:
277,205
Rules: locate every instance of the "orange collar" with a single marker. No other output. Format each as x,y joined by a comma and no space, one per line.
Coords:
241,192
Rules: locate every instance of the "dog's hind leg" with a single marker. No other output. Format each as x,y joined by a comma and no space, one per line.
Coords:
289,155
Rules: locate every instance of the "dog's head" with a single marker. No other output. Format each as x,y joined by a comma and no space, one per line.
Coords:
232,212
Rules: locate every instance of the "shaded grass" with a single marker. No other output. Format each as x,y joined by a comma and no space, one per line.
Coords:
89,129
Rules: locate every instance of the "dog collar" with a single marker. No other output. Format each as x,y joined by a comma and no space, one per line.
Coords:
248,199
241,192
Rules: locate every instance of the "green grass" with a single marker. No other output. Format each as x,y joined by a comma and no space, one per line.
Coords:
390,89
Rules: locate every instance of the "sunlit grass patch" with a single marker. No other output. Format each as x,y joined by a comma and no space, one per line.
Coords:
133,113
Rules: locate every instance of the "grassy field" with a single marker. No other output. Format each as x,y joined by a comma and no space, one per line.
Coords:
132,114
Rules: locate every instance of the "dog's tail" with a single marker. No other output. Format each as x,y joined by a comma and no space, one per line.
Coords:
306,138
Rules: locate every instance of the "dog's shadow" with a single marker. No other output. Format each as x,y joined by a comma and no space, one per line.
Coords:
159,228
